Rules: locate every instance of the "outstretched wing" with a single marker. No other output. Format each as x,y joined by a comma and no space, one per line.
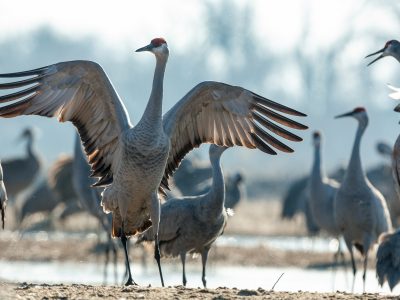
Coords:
225,115
76,91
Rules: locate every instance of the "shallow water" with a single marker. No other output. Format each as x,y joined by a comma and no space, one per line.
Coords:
294,279
293,243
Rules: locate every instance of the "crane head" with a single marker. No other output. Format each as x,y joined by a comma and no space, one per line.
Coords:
316,138
359,113
391,48
156,46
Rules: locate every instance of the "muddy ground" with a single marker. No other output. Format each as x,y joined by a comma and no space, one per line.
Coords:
254,218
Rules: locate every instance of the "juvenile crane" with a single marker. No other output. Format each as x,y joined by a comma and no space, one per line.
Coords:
322,193
135,163
361,211
3,197
191,224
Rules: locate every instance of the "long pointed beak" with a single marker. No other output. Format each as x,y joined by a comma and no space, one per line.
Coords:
349,114
376,59
145,48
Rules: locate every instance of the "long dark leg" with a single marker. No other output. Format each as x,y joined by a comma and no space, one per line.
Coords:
107,259
349,245
353,263
204,256
155,218
115,258
157,256
365,269
183,260
124,239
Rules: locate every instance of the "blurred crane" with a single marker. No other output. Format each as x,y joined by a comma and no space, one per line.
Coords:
296,200
41,199
135,163
56,189
322,193
191,224
234,190
388,259
190,174
361,212
3,197
20,173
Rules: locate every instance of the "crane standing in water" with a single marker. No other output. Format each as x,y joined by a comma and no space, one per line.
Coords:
135,163
361,211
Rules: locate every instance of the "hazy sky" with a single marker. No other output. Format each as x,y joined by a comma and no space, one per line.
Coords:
125,25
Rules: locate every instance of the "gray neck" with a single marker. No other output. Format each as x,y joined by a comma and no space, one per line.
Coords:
355,171
317,172
216,195
29,147
153,112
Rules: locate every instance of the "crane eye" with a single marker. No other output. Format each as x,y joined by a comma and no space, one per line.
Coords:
388,44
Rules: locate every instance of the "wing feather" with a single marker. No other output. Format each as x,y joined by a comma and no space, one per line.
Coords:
79,92
227,116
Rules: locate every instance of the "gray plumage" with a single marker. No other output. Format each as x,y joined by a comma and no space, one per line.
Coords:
190,174
388,259
41,199
3,197
381,176
192,224
55,189
135,163
322,192
20,173
234,190
360,209
296,200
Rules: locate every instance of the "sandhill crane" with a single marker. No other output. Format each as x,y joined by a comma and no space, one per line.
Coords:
90,198
3,197
388,259
55,189
191,224
60,179
296,200
360,209
41,199
135,163
190,174
322,193
234,190
20,173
